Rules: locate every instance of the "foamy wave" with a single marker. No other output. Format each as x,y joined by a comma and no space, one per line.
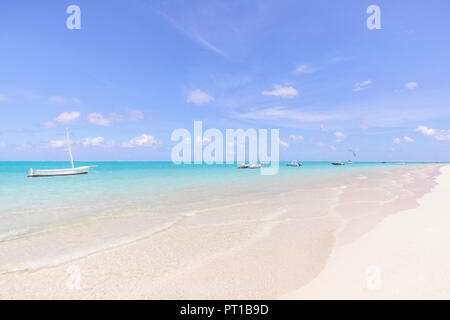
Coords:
189,213
13,233
60,259
274,215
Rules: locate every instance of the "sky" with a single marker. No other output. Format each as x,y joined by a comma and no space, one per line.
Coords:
137,70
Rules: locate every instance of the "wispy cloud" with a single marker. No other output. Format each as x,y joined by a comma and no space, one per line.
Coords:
56,144
340,135
135,114
283,92
209,45
295,138
49,124
3,97
67,117
405,139
194,35
362,85
93,142
198,97
284,144
304,69
440,135
411,85
102,120
426,131
282,113
63,100
143,140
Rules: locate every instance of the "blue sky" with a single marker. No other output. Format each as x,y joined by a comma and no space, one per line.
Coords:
139,69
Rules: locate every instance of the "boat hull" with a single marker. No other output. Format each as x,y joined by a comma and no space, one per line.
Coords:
54,175
58,172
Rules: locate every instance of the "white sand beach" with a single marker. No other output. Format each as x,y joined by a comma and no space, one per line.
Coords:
405,257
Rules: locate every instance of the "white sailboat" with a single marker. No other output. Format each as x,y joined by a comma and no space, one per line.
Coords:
61,172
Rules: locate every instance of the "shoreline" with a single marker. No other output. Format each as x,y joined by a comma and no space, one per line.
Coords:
259,249
404,257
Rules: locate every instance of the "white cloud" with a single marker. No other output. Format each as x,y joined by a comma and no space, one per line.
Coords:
275,113
362,85
49,124
295,138
3,97
284,144
136,114
411,85
340,135
143,140
283,92
210,46
305,69
62,99
405,139
92,142
443,135
67,117
440,135
426,131
199,97
56,144
104,121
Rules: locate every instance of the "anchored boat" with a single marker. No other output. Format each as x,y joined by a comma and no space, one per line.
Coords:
294,163
61,172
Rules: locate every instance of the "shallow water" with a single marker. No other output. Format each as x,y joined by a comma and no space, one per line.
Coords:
65,218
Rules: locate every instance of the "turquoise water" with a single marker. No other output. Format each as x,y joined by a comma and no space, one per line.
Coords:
117,188
118,202
143,179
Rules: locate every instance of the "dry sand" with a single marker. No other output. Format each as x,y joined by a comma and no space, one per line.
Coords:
407,256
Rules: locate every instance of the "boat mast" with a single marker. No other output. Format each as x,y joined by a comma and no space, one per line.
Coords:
69,145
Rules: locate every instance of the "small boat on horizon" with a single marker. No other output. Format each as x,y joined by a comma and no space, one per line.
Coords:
249,166
338,163
61,172
294,163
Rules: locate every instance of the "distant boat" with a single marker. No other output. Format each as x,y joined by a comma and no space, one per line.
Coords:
249,166
61,172
294,163
338,163
350,162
